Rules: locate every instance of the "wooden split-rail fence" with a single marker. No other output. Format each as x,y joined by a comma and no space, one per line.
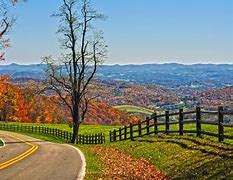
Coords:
63,135
152,125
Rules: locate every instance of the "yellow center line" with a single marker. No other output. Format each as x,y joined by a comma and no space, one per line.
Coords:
21,156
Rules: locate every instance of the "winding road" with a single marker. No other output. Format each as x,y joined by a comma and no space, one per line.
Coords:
27,158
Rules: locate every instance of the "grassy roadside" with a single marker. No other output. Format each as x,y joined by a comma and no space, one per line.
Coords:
94,165
84,129
186,157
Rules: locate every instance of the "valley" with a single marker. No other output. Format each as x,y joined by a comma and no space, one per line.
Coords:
142,94
123,90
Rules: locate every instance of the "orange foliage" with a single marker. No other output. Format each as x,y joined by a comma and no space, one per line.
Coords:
12,104
22,105
102,113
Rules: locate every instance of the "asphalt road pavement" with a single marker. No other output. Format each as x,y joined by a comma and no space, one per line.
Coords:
27,158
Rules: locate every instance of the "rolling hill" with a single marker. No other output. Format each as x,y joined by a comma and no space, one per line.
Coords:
171,75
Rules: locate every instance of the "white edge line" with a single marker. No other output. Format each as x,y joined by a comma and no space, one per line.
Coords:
82,172
3,143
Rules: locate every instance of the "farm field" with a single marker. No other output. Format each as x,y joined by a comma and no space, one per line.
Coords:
134,109
178,157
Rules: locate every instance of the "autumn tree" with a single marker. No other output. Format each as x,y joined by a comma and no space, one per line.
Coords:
7,101
71,74
24,105
12,105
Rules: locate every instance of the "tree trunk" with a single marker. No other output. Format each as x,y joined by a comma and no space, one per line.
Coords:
75,126
4,115
75,132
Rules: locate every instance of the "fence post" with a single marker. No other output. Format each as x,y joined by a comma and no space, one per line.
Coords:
181,118
147,125
84,139
125,132
99,138
155,123
114,135
110,135
120,134
102,138
198,120
131,131
139,128
96,139
92,139
220,126
167,122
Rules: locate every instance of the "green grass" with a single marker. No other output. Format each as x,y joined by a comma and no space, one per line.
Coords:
95,166
134,109
186,157
84,129
180,157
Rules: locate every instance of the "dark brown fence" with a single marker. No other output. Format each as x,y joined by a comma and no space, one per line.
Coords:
91,139
64,135
151,125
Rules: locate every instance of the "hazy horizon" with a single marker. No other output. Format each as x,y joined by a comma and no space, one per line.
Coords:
5,64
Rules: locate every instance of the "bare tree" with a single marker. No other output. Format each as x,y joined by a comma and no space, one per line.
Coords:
71,74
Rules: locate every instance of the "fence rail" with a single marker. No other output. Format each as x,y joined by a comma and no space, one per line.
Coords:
151,125
63,135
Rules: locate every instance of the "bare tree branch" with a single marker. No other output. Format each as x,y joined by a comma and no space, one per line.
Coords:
71,76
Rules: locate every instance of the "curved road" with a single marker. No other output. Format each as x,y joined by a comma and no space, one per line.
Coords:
28,158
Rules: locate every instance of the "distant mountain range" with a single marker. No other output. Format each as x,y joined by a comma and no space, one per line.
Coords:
35,71
171,75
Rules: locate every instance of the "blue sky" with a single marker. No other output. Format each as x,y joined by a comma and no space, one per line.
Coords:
136,31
